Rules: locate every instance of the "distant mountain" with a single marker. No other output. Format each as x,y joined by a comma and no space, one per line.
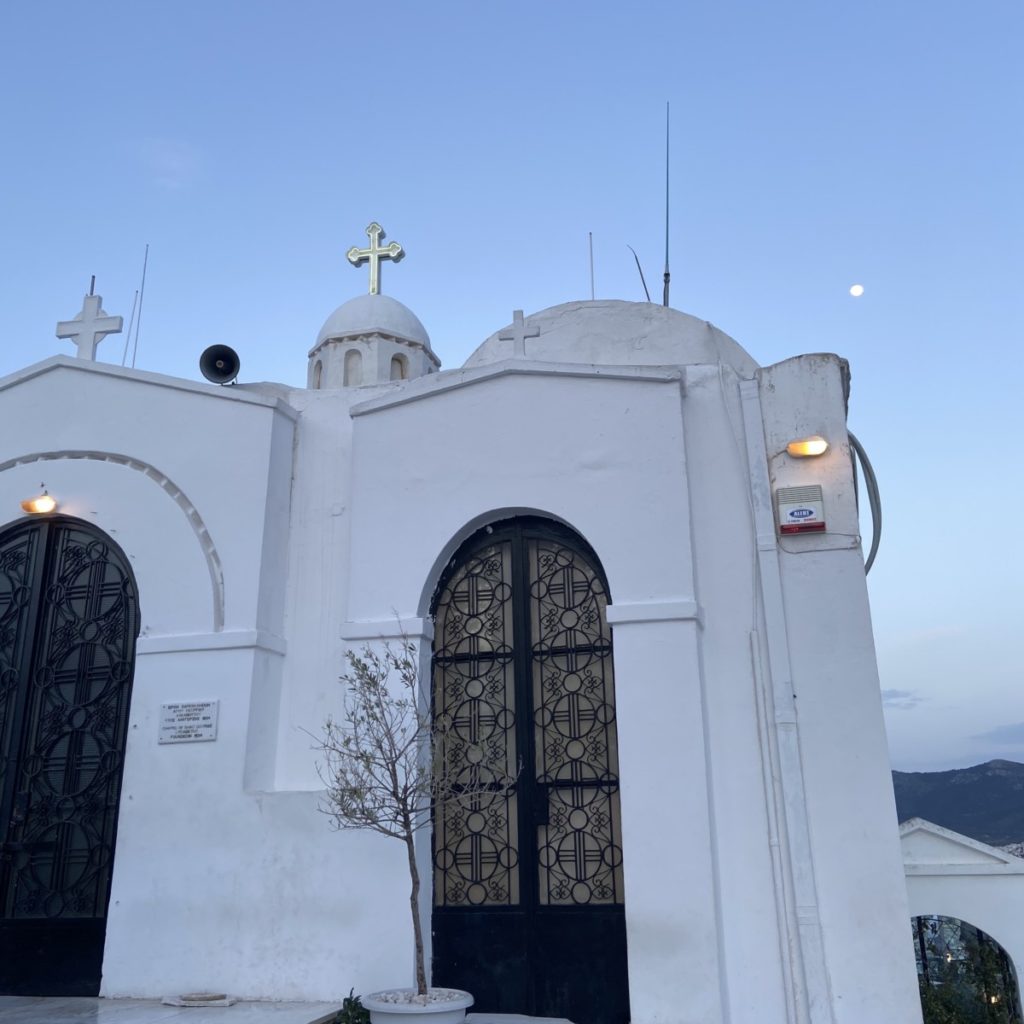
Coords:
985,802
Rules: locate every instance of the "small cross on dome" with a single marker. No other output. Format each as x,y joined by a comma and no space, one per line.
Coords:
90,327
519,333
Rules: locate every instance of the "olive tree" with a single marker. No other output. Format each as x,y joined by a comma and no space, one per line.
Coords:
388,766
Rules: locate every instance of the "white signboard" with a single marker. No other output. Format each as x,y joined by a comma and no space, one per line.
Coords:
189,721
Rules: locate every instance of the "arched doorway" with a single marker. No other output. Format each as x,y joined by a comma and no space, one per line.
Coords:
528,893
69,618
964,974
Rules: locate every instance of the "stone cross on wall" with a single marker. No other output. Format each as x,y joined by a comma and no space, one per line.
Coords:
518,334
90,327
375,253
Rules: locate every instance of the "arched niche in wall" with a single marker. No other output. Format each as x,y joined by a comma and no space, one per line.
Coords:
132,505
964,973
528,885
353,368
69,618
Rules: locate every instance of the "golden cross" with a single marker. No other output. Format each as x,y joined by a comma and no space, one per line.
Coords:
375,254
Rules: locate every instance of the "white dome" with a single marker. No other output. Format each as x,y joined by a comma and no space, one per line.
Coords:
612,332
374,314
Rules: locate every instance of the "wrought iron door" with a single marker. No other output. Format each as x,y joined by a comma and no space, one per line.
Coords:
68,623
528,896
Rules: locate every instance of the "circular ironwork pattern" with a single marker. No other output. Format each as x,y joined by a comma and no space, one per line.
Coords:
521,620
475,856
579,851
72,712
17,556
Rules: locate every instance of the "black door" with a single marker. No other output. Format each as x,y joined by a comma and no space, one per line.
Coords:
68,623
528,900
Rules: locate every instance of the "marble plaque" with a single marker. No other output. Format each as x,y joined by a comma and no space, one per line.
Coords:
188,721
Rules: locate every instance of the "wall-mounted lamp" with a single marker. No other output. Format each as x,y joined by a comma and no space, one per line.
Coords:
39,505
807,447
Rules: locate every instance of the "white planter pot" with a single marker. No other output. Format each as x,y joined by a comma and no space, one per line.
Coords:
386,1009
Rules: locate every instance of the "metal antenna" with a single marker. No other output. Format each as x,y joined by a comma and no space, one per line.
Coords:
92,285
664,300
590,235
638,267
131,324
142,295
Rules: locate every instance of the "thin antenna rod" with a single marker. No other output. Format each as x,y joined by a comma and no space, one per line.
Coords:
638,267
664,300
92,285
131,324
142,295
590,235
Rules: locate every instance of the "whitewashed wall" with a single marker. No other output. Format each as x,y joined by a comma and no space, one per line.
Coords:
217,884
850,812
602,451
268,528
658,471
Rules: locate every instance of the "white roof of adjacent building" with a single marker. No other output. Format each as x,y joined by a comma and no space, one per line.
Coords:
930,849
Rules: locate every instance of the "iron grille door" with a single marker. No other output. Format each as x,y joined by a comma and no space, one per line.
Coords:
68,623
528,891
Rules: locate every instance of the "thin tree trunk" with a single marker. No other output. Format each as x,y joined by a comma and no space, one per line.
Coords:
414,903
923,947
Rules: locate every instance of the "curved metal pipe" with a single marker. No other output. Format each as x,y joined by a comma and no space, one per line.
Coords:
874,499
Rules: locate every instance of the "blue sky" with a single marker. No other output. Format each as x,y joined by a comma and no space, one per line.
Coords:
815,145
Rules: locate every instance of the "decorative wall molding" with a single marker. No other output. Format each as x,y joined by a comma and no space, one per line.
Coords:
654,611
437,383
270,396
392,628
229,640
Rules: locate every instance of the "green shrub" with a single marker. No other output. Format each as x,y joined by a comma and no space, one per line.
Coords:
352,1011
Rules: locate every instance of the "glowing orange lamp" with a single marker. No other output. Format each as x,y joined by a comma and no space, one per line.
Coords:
39,505
807,447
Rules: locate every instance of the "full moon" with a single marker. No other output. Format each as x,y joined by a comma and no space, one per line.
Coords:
857,291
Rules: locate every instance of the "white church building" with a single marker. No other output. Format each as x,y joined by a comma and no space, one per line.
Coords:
613,567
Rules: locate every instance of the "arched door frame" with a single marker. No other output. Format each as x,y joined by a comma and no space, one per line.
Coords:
73,619
547,572
929,959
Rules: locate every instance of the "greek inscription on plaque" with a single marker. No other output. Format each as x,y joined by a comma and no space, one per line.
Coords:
188,721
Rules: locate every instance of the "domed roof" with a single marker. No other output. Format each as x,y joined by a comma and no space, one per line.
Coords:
374,314
612,332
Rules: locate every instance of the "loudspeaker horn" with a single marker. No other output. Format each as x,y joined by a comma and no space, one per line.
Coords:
220,364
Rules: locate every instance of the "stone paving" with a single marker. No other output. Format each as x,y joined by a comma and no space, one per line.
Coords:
84,1010
87,1010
